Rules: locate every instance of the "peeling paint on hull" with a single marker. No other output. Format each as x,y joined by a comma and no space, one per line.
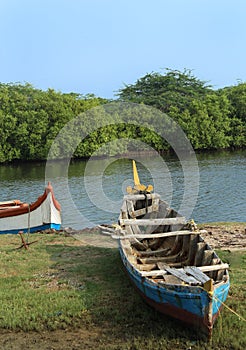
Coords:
189,304
182,315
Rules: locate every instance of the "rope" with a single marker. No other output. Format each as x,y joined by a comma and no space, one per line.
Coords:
219,319
28,226
211,296
226,306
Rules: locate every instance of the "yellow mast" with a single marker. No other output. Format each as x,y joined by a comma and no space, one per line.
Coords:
138,187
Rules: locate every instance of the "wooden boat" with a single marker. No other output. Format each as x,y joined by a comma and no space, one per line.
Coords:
168,261
44,213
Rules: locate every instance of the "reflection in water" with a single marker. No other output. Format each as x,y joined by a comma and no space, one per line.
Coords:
96,187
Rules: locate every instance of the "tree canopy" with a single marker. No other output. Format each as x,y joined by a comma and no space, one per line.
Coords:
174,88
211,119
30,119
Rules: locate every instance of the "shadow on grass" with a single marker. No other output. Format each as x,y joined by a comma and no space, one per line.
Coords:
111,301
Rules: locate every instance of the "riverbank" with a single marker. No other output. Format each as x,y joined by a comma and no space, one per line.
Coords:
221,235
69,291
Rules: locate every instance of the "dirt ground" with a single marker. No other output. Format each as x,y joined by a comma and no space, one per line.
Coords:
228,236
224,236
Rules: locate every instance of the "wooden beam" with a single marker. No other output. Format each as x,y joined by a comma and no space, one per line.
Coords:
157,235
213,267
141,196
154,222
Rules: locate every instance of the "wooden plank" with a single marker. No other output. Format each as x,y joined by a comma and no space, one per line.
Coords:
214,267
150,229
147,267
155,204
197,273
141,196
170,279
201,246
207,257
154,222
213,273
181,274
185,248
156,235
155,259
158,252
134,241
130,209
154,273
192,249
220,275
123,211
140,212
143,211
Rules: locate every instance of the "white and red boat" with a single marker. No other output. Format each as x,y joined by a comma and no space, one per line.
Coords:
44,213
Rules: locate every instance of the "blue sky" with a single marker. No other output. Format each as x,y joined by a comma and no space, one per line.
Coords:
95,46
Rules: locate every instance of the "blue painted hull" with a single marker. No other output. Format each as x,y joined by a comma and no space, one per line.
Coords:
33,229
190,304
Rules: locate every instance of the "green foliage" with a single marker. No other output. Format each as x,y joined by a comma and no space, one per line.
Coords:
163,91
206,123
237,98
211,119
31,119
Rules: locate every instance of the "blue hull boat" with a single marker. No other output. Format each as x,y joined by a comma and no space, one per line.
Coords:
168,261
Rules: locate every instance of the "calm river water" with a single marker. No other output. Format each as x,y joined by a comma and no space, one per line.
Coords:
91,193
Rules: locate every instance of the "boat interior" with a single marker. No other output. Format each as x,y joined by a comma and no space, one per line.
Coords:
163,246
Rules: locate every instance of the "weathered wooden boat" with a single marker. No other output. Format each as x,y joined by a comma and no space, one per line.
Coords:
44,213
168,261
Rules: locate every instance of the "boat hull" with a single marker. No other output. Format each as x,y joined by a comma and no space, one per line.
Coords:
168,261
190,304
43,214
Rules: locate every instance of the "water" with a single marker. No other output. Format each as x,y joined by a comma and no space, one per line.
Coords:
92,191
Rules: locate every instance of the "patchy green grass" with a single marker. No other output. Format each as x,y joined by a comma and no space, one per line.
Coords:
60,284
33,295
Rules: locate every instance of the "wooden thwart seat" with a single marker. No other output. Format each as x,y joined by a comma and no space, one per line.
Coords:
154,222
135,197
157,235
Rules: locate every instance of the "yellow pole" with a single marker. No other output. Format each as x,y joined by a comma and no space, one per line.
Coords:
135,174
137,185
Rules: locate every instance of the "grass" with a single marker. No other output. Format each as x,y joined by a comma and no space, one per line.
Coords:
59,284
